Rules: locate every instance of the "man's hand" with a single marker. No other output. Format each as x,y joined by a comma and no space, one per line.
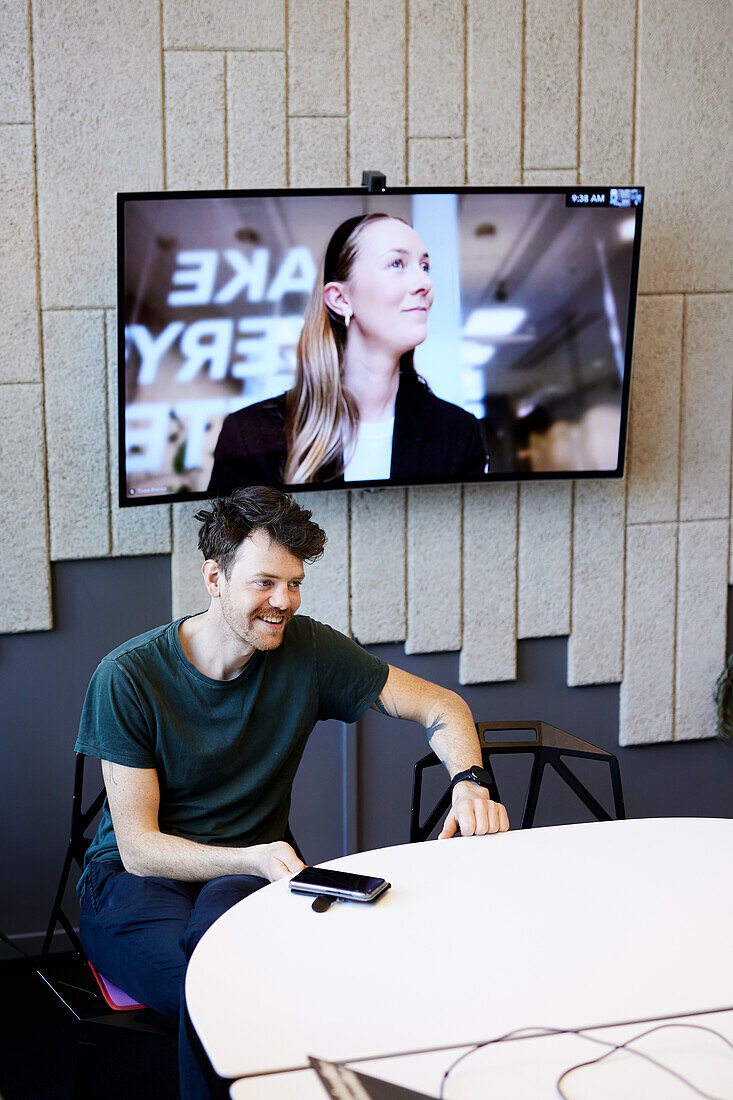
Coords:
474,813
279,860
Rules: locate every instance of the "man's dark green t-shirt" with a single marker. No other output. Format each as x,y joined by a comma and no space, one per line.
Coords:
226,751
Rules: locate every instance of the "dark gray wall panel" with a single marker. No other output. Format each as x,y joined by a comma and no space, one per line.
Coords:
318,805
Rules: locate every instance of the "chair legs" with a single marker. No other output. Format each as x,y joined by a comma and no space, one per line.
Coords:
554,759
57,911
618,796
533,790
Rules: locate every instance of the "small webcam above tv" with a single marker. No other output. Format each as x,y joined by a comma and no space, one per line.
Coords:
331,339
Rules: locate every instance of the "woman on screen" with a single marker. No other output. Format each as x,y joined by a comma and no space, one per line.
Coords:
358,410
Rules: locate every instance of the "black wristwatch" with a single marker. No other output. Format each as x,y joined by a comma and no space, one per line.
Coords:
476,775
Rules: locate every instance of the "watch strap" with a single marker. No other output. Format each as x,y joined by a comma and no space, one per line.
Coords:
475,774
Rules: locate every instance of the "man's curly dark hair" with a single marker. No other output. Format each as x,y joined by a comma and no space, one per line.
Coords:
232,519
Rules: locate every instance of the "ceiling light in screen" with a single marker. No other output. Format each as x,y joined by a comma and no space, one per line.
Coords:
488,324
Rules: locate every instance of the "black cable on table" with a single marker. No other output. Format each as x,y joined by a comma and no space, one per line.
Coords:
647,1057
537,1032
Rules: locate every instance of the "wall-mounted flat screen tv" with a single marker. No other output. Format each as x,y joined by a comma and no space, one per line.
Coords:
342,339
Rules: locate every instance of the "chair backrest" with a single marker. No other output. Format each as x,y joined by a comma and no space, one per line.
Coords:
80,837
543,735
548,745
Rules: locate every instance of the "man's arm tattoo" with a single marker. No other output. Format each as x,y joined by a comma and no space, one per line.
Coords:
385,704
435,727
379,705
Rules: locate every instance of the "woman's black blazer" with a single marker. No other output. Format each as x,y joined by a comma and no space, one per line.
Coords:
432,439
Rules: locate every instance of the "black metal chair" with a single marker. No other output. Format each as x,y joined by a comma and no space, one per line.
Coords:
548,747
69,975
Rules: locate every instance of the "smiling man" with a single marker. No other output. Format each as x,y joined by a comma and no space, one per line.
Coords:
200,726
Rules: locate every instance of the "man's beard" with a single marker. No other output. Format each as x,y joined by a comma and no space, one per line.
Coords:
254,632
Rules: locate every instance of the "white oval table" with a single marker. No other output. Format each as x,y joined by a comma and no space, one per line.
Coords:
570,926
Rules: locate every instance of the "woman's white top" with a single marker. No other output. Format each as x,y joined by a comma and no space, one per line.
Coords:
372,457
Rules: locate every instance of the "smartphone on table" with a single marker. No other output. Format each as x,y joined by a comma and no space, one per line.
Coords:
321,881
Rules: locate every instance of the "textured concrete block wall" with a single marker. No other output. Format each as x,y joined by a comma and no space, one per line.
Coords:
302,92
